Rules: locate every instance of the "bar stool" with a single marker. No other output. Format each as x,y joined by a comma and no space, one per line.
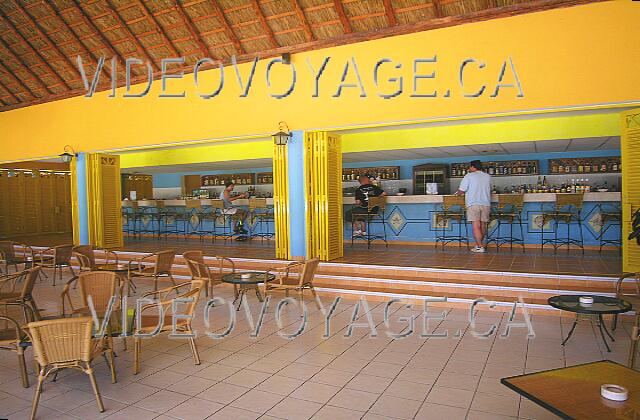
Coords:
129,220
568,208
610,218
375,215
146,218
174,221
258,210
220,214
509,212
453,210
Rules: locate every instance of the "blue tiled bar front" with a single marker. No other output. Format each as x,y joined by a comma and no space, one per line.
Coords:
411,218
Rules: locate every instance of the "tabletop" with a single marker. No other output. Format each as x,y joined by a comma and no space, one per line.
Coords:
574,392
600,305
248,277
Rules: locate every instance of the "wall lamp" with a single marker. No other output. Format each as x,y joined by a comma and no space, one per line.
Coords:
282,137
66,156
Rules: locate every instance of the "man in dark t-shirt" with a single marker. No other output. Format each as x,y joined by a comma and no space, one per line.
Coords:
363,192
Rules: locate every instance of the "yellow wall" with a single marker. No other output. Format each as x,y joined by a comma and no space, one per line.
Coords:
572,57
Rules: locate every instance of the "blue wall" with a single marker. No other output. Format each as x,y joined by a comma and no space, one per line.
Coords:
175,179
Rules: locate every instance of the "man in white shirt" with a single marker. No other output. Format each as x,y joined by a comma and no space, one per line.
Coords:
476,188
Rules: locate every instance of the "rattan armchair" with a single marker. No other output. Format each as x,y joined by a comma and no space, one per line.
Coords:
211,274
147,324
296,276
17,289
101,286
85,254
153,266
13,338
56,257
9,257
67,343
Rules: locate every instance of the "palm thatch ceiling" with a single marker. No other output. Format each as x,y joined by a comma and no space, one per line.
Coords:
40,39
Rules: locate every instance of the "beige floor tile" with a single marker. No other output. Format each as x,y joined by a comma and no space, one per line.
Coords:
332,377
11,405
370,383
68,401
90,411
496,370
409,390
395,407
430,411
300,371
354,399
458,381
294,409
450,396
234,413
222,393
246,378
130,393
497,404
43,413
531,411
385,370
481,415
216,372
312,391
195,409
258,401
280,385
162,379
420,375
191,385
329,412
133,412
162,401
316,358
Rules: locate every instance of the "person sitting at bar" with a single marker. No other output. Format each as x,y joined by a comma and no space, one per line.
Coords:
476,188
237,214
363,192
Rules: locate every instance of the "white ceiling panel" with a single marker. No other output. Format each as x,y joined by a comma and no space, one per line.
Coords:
552,145
520,147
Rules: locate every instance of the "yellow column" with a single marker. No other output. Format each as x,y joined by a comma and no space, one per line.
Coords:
630,144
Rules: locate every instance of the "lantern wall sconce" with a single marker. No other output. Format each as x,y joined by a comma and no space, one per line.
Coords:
66,156
283,135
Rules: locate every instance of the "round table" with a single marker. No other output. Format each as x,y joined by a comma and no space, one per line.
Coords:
602,305
247,280
122,270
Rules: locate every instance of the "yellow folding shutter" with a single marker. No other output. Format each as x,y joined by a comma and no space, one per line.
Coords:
630,186
281,201
104,200
323,163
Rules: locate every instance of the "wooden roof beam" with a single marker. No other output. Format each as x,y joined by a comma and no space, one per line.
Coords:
160,30
42,35
344,20
391,16
32,50
308,33
74,36
10,94
19,82
141,49
193,30
265,25
227,27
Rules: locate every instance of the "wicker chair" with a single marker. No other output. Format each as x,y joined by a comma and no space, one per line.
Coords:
67,343
8,255
151,324
13,338
10,294
56,257
296,276
85,254
101,286
211,274
153,266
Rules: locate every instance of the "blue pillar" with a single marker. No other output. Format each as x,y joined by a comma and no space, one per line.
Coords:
81,192
297,201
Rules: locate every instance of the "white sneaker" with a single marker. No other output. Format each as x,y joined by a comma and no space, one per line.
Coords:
478,249
357,233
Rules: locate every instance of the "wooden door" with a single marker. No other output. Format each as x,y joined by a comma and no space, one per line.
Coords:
630,145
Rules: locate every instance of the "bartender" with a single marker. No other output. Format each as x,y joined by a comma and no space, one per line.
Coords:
237,214
363,192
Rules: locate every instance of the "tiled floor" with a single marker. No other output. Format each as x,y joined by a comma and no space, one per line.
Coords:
607,263
310,376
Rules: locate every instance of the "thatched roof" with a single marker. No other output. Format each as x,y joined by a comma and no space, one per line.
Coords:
40,39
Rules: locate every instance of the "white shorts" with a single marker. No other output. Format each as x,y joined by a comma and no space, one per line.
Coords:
478,213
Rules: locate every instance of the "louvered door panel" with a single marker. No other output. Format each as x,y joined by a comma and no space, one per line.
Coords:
630,142
104,203
281,201
31,203
16,204
4,204
47,216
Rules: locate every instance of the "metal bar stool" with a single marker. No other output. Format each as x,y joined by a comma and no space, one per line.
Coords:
222,221
453,210
568,208
610,218
146,219
263,215
375,215
129,217
174,221
509,212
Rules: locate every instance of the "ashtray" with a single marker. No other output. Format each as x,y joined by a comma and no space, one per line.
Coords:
245,276
586,300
